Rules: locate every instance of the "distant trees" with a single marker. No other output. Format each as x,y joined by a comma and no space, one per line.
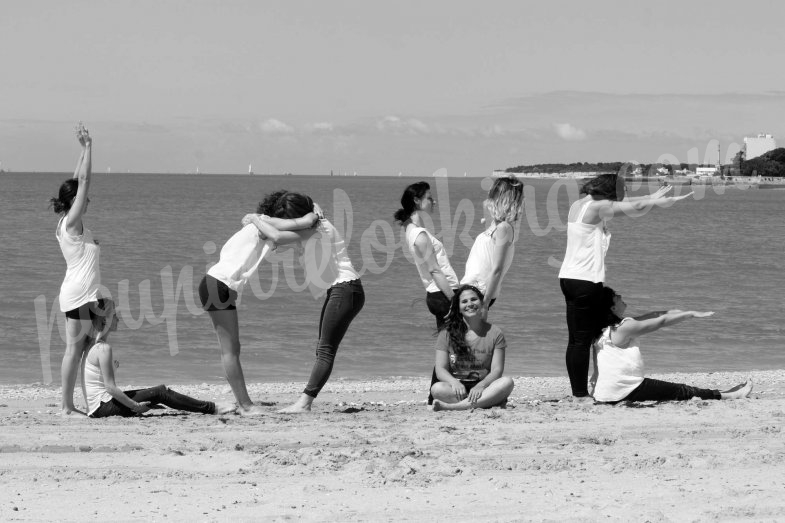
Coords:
770,164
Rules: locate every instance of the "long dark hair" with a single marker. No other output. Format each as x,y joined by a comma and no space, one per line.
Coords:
605,187
65,197
285,204
605,316
408,205
454,325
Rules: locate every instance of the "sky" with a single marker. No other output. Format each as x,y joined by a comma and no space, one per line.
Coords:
381,88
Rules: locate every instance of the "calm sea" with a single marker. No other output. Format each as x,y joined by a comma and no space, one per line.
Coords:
723,252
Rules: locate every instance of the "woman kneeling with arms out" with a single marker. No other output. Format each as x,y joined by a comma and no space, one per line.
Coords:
618,364
104,398
469,357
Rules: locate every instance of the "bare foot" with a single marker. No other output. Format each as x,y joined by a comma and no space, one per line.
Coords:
297,408
71,413
253,410
224,408
739,391
302,405
437,406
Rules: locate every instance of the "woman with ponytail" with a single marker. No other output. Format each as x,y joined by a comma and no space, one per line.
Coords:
469,357
428,254
79,290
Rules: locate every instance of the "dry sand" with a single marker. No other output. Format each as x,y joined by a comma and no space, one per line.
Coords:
373,451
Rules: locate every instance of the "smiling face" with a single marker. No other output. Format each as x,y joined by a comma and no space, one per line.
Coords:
618,306
469,303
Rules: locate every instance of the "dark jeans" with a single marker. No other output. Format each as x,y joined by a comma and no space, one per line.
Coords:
656,390
343,302
155,395
438,305
583,300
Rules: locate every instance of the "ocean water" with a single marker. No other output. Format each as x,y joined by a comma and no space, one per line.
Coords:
722,252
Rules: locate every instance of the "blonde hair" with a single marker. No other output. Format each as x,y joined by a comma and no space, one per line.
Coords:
505,198
102,320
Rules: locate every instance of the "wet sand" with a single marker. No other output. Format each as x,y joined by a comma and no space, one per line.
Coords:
371,450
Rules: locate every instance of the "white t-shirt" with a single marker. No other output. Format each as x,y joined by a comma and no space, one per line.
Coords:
240,257
326,260
617,371
94,385
479,264
587,245
412,231
83,273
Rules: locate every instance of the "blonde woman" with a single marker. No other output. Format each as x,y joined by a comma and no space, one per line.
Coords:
493,250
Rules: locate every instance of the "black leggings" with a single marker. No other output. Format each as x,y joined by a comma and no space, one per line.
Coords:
155,395
656,390
583,300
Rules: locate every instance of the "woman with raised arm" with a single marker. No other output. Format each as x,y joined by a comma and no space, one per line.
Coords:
494,248
329,270
583,270
469,357
618,364
218,291
79,290
105,398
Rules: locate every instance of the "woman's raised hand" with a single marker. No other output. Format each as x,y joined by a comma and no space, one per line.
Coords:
698,314
683,196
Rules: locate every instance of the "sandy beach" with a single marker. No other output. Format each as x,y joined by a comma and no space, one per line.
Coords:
371,451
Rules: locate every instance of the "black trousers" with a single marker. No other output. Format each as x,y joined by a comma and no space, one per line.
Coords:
583,300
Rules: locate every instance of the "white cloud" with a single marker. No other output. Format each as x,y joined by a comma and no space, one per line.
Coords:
320,127
569,132
273,126
397,125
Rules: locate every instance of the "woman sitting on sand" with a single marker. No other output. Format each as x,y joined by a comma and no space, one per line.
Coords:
104,398
218,291
469,357
494,248
329,271
618,365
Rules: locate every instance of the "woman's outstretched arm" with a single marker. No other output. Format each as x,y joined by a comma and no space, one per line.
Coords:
82,174
104,352
609,209
659,193
633,328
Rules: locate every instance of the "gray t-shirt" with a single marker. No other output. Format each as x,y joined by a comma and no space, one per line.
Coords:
481,348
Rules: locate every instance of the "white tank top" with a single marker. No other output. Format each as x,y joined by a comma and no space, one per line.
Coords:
326,260
83,274
617,371
586,247
412,232
479,264
94,386
240,257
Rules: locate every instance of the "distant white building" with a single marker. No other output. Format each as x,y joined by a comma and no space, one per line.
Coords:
706,171
757,145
